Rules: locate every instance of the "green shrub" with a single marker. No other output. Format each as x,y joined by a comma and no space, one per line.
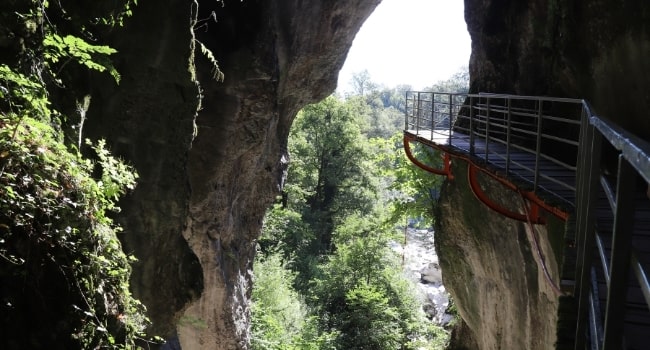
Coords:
278,312
62,258
64,279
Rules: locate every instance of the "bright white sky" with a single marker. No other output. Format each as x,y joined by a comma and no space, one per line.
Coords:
416,42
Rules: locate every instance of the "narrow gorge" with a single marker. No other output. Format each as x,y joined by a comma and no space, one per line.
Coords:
203,109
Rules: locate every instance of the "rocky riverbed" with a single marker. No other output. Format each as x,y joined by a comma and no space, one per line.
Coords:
421,264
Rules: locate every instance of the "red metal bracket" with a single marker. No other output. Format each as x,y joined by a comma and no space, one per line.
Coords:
534,212
531,215
446,171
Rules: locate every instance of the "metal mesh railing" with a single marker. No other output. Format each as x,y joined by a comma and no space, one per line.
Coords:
540,140
612,249
499,128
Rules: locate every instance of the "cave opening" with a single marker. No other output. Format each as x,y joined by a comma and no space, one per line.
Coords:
409,42
350,234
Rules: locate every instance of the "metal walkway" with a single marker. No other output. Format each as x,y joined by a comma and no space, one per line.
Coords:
566,162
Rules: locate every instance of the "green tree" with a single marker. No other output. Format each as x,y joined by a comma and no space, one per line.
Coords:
278,312
395,97
362,83
362,294
370,321
458,83
330,174
286,232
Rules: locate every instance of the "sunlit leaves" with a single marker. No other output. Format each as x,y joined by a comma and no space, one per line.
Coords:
50,203
278,311
22,93
371,322
63,264
116,177
63,48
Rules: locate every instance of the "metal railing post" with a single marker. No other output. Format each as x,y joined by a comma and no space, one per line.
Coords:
417,114
471,125
538,146
450,121
406,111
584,144
508,131
487,130
620,255
585,216
433,113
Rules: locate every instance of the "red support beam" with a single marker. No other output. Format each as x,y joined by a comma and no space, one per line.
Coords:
472,172
446,171
533,213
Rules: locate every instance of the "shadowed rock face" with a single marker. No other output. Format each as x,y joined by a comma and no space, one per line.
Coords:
210,166
596,50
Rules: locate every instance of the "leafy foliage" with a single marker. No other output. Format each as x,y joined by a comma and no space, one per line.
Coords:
327,239
285,232
371,323
64,277
413,192
363,282
67,48
279,312
331,176
280,316
459,82
217,74
54,218
20,94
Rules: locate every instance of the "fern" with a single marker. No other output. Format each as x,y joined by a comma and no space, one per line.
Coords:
74,48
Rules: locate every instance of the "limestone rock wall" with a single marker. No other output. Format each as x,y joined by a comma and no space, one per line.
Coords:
211,155
490,267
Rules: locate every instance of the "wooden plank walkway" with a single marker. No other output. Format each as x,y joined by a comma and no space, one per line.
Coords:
556,185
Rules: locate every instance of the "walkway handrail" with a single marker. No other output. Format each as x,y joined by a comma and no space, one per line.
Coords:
606,331
521,124
516,122
634,149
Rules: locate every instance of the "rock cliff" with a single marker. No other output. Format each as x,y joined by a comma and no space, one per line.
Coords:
211,155
594,50
491,267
